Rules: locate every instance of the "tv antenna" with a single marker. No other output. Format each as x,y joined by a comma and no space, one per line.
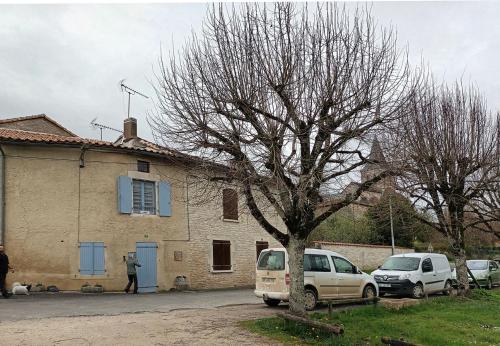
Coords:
130,91
101,127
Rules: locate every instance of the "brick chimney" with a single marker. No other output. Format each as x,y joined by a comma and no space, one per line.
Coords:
129,128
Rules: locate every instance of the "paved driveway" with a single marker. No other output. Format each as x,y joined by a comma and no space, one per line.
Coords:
44,305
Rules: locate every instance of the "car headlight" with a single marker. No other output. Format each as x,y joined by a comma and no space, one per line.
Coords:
404,276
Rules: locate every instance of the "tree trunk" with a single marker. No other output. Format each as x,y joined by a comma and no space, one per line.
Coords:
461,267
295,250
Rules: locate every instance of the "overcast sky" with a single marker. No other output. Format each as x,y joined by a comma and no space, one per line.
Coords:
67,60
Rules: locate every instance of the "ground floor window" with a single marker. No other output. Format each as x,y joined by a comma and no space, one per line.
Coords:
261,245
221,255
92,258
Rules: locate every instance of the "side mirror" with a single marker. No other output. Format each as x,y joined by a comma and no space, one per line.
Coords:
355,270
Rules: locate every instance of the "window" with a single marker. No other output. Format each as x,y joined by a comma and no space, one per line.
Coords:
221,255
342,265
143,166
146,197
261,245
493,266
316,263
144,201
272,260
401,263
92,258
427,265
230,204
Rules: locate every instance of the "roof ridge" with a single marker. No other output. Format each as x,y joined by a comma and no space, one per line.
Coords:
37,116
39,133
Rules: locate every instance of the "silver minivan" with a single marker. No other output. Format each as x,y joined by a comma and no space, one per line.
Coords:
327,275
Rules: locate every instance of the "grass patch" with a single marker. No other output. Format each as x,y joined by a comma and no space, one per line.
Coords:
440,321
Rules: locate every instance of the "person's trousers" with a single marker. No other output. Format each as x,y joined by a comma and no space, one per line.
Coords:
132,278
3,289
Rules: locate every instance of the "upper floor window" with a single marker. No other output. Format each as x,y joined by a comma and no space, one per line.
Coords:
144,197
143,166
230,204
144,200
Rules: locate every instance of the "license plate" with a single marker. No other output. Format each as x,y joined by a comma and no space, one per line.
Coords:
268,279
384,285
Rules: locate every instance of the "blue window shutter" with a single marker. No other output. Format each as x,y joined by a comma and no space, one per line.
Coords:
164,190
124,195
86,259
99,259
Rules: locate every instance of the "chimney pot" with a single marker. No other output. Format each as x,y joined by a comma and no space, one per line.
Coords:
130,128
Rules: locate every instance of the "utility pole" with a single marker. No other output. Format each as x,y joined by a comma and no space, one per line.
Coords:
392,225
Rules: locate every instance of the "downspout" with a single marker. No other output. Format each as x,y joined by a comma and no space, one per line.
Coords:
2,196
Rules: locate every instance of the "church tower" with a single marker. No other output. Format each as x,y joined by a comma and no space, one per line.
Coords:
372,169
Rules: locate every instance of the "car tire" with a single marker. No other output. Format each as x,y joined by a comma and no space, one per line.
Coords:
272,302
369,292
418,291
310,299
489,285
447,285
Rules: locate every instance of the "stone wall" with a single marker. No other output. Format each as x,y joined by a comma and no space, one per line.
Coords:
365,256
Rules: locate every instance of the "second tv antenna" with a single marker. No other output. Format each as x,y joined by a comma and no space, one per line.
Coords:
130,91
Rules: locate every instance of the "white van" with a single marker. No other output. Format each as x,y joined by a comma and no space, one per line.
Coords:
414,274
327,275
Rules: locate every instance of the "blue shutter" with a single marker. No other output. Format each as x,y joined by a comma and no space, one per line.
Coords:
124,195
86,259
99,259
164,198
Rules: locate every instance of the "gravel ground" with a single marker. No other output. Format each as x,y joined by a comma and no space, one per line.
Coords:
214,326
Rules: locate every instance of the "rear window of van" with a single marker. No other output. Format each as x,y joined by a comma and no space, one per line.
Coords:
271,260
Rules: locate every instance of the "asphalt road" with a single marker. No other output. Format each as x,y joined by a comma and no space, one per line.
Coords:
46,305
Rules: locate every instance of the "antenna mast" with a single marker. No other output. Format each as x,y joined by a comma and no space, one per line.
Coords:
101,127
130,91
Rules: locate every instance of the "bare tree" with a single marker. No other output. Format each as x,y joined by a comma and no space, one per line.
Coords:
450,158
288,96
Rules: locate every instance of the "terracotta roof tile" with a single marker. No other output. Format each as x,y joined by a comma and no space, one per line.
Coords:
137,144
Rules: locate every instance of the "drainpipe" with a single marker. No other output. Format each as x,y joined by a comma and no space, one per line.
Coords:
2,196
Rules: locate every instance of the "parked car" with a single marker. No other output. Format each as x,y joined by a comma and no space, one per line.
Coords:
327,275
413,274
486,272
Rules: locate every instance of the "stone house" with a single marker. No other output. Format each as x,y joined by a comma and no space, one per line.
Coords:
73,208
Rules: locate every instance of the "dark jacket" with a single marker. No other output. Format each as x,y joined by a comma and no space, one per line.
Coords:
4,263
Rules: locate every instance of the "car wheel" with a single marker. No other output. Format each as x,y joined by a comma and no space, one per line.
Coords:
310,300
369,292
418,291
489,285
272,302
447,286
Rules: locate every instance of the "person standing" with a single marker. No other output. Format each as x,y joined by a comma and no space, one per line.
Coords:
132,272
4,269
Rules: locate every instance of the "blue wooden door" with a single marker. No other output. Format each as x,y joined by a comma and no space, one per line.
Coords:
146,273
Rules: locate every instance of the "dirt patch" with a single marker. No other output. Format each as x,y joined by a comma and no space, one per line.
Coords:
181,327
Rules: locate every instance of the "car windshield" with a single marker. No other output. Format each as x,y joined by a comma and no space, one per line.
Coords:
271,260
477,265
401,263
